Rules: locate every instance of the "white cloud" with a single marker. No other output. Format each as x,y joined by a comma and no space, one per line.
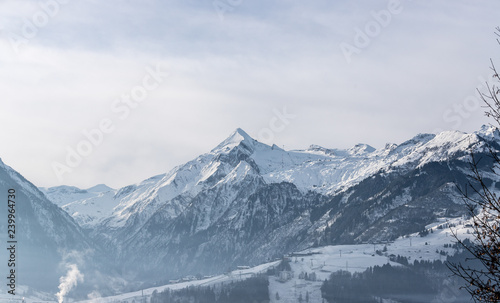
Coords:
228,74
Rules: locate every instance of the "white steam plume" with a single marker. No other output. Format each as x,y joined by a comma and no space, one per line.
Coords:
69,281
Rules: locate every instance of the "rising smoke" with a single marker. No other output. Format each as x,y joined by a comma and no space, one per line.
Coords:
73,276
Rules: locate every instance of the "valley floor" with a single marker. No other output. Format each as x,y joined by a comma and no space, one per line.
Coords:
320,262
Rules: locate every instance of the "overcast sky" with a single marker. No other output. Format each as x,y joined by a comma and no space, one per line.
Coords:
156,83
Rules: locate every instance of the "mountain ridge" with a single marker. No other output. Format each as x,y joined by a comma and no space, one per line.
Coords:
309,169
245,201
45,235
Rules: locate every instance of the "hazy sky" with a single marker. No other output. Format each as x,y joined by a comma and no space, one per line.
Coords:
138,87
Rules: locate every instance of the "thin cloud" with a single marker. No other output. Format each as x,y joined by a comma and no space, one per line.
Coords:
235,72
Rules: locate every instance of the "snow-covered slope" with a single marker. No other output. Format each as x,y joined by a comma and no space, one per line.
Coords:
318,169
245,201
43,233
62,195
322,261
87,206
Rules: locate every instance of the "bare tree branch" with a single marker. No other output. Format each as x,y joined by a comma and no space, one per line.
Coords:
483,283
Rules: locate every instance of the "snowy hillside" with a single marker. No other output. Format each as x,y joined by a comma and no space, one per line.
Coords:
42,229
62,195
245,202
323,261
317,169
87,206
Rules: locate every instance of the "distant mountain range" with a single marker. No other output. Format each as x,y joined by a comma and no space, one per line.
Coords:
245,202
242,203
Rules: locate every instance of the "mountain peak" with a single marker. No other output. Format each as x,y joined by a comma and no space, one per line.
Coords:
489,131
320,149
99,188
360,149
241,133
236,138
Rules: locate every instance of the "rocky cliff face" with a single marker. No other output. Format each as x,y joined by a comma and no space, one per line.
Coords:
245,202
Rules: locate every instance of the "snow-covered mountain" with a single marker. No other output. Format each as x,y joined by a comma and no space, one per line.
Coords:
87,206
244,201
63,195
316,169
44,234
